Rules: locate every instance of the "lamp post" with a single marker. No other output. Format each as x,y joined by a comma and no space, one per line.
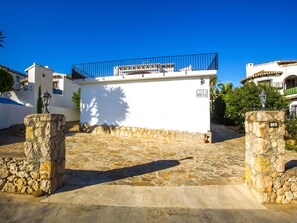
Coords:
46,97
263,98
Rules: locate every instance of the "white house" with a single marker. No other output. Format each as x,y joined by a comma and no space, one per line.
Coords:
60,86
17,76
167,95
281,74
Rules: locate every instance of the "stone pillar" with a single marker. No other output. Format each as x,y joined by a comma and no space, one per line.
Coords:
45,147
265,147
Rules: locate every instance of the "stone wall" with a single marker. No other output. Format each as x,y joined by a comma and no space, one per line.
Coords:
42,171
265,167
147,133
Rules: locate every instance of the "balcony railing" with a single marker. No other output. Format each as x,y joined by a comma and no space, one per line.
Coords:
290,91
57,91
207,61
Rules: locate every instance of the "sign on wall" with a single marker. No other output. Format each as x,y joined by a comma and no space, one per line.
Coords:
201,93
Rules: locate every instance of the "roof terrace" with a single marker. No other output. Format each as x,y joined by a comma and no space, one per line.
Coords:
190,62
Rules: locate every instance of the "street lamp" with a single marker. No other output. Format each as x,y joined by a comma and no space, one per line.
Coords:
46,97
263,97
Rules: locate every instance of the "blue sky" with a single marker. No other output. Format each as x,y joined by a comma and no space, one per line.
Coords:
61,33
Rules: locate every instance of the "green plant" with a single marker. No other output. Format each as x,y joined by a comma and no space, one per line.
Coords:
246,98
76,99
6,81
39,101
291,145
219,108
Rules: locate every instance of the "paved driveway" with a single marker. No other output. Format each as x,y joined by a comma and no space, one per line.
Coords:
92,159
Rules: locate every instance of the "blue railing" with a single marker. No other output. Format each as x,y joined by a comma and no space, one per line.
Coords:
208,61
57,91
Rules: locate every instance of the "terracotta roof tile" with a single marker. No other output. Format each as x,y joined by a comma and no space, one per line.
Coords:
262,73
285,62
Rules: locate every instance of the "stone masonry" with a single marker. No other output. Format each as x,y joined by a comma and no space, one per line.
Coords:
264,158
135,132
42,171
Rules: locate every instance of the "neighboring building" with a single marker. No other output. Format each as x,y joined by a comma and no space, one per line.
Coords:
281,74
60,86
17,76
170,93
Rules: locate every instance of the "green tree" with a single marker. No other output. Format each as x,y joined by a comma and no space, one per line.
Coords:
76,99
39,101
213,88
225,88
246,98
219,108
2,37
6,81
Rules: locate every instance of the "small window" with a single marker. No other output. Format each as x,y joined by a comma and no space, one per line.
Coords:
56,84
265,83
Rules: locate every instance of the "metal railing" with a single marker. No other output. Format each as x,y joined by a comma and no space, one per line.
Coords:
208,61
57,91
290,91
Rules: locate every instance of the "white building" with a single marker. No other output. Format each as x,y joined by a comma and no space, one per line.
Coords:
281,74
152,95
17,76
26,88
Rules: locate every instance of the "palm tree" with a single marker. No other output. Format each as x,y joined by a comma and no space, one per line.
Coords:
213,88
213,91
225,88
1,38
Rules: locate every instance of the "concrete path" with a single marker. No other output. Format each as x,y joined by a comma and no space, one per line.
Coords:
22,208
206,197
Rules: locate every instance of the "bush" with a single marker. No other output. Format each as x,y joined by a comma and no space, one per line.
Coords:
291,127
219,108
6,81
76,99
246,98
39,102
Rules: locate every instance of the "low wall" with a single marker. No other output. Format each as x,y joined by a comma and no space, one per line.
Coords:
11,114
147,133
70,114
42,170
14,114
264,158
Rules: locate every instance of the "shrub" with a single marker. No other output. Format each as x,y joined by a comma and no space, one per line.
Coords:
246,98
219,108
76,99
39,102
6,81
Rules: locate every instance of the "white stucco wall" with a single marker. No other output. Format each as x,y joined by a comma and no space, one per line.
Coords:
13,114
39,76
64,100
70,114
169,103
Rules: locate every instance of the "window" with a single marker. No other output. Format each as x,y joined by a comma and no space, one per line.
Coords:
290,83
265,83
56,84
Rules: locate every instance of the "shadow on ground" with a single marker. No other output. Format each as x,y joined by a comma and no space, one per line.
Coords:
220,133
75,179
6,137
291,164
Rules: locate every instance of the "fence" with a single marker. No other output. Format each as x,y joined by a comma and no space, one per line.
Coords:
207,61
